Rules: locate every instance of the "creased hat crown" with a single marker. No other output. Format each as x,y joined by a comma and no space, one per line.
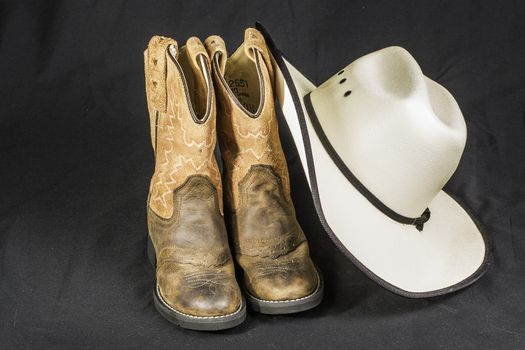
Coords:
400,133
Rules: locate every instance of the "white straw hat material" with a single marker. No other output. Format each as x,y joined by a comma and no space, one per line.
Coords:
378,141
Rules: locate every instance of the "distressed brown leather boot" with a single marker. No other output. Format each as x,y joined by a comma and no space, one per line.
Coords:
270,246
188,244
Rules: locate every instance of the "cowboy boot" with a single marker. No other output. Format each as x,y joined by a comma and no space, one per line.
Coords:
270,246
188,244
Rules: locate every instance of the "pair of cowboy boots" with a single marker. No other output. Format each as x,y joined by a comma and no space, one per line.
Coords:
195,93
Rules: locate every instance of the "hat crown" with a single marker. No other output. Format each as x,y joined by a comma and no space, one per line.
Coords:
400,133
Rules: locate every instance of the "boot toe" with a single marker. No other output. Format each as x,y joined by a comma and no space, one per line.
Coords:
203,293
285,278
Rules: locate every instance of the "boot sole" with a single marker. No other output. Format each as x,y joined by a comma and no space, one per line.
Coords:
198,323
281,307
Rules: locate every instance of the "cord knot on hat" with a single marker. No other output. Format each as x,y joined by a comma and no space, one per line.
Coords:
420,221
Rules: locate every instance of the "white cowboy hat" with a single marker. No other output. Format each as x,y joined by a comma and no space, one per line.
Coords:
378,141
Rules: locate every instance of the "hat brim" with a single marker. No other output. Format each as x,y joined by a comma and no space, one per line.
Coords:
449,254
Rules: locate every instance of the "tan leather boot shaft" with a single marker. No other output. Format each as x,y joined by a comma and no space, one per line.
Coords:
183,142
248,130
194,269
269,243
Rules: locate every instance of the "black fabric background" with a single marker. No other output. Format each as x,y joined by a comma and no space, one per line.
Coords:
75,160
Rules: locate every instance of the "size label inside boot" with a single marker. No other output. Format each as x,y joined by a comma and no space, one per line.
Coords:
242,90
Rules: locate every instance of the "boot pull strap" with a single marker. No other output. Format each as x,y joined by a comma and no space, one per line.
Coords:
253,40
195,49
155,73
155,58
214,44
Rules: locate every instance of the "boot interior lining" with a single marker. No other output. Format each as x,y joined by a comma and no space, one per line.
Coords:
242,77
196,84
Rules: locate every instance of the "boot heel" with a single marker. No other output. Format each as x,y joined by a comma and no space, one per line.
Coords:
152,257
